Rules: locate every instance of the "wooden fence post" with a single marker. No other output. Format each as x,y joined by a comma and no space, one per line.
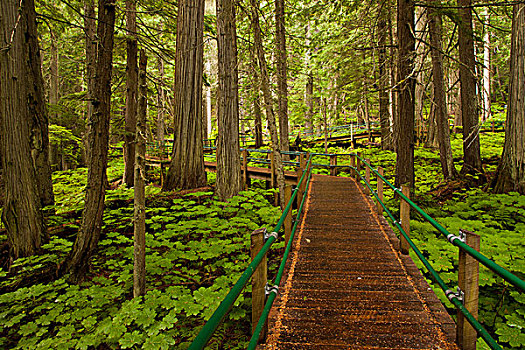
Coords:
259,281
245,175
405,218
468,282
367,175
358,165
380,190
333,164
353,164
288,218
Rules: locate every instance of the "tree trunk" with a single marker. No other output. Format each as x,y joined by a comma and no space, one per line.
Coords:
77,263
139,215
132,71
486,68
228,161
282,85
309,88
406,86
421,28
187,162
90,25
510,175
469,103
384,113
161,98
257,112
440,106
265,84
208,102
21,107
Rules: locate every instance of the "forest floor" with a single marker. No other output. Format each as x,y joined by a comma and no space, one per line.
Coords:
197,247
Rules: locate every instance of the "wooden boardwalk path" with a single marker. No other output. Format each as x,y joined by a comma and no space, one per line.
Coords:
347,287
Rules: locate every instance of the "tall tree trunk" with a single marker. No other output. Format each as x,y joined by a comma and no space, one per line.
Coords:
384,113
510,175
309,88
77,263
228,161
282,85
208,101
440,106
53,72
90,25
161,98
21,107
257,112
469,103
265,84
421,28
132,72
406,86
139,214
187,162
486,67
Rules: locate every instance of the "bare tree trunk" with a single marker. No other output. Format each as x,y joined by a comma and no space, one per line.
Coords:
21,106
265,84
440,107
486,68
90,25
384,113
132,71
228,161
187,162
510,175
406,86
421,28
161,98
282,90
309,89
77,263
469,103
139,215
208,102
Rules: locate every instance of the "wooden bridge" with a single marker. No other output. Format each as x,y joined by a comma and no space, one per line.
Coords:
348,287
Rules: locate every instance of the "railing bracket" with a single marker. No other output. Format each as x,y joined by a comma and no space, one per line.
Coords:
268,235
458,294
271,289
462,237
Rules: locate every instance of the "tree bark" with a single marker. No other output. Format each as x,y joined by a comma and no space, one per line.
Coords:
90,25
383,79
510,175
228,160
132,71
139,215
161,97
469,103
265,84
406,85
77,263
440,106
486,67
187,162
21,107
282,85
309,88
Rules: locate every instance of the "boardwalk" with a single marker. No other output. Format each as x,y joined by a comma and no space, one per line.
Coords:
347,287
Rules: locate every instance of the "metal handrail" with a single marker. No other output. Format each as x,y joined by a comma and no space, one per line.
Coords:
224,307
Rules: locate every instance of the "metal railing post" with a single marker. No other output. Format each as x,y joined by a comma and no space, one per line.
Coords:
405,218
468,282
259,280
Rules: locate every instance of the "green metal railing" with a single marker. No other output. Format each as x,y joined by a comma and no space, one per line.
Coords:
220,313
454,299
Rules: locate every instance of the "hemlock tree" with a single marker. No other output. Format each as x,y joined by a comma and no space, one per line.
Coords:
406,85
469,104
132,72
510,175
139,191
383,79
21,103
187,162
440,106
228,161
77,263
282,86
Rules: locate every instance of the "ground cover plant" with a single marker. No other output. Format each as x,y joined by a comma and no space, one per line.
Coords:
197,247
